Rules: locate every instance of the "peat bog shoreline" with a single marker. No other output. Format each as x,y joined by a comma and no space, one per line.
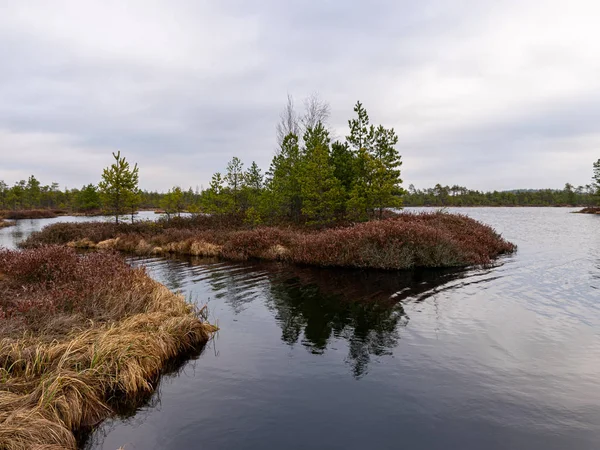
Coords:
404,241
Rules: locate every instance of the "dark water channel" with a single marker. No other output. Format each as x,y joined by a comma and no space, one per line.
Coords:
501,358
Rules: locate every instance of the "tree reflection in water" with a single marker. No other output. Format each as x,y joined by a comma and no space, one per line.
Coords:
317,306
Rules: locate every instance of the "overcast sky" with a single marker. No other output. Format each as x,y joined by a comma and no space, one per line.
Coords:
488,94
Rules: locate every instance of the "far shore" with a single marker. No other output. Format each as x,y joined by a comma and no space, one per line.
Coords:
495,206
50,213
8,217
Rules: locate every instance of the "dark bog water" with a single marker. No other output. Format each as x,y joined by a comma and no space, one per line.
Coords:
503,358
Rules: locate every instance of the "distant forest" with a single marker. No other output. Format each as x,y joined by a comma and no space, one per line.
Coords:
461,196
30,194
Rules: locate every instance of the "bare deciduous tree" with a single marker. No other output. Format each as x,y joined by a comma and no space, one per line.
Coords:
315,111
288,121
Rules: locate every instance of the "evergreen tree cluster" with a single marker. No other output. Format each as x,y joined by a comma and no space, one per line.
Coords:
596,181
31,194
312,179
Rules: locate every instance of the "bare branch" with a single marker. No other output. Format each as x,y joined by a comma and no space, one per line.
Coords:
315,111
288,121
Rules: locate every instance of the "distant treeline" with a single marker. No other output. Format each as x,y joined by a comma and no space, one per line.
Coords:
461,196
31,194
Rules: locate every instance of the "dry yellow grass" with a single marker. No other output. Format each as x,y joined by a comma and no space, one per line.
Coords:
84,243
7,223
107,244
51,386
203,248
276,252
143,247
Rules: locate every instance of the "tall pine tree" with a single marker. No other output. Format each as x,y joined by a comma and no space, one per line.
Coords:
322,192
119,186
596,180
284,196
377,167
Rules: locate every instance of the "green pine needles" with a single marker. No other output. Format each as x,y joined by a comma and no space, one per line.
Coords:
596,180
313,180
119,187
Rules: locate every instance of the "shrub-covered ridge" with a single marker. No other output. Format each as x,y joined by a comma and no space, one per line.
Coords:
401,242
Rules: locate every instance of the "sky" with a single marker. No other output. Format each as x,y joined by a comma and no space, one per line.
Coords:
500,94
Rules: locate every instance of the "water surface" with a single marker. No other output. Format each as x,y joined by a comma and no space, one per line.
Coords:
501,358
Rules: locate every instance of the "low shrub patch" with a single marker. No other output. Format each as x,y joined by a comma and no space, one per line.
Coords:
403,241
78,332
590,210
32,214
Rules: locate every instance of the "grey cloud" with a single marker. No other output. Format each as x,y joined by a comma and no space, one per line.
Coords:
471,87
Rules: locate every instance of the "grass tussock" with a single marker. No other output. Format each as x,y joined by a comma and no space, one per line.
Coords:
7,223
78,334
401,242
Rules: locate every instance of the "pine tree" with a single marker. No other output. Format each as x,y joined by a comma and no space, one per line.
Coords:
379,172
358,206
361,131
253,178
119,186
596,180
235,181
215,200
3,195
133,199
251,193
33,193
283,196
570,197
88,198
322,192
172,202
343,161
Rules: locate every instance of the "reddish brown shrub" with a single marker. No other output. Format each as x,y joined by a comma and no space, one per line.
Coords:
399,242
243,245
409,240
38,284
78,334
32,214
590,210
